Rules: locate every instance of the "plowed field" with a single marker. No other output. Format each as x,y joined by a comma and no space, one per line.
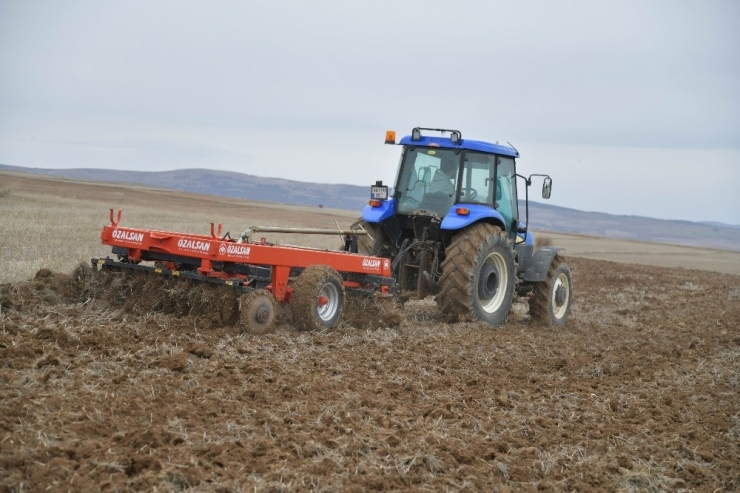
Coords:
639,392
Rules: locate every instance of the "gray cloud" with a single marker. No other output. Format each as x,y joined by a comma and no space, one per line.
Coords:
659,74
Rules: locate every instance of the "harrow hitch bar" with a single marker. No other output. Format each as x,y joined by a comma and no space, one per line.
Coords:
304,231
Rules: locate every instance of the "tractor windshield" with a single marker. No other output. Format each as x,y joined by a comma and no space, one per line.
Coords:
428,180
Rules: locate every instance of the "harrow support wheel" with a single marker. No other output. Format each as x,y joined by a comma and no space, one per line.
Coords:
478,276
551,300
318,298
257,311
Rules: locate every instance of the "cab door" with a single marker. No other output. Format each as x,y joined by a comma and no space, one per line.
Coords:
489,179
506,198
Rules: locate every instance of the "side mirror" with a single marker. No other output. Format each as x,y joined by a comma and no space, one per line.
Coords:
547,188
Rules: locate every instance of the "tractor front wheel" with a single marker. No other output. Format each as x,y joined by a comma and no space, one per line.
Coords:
478,276
318,298
551,301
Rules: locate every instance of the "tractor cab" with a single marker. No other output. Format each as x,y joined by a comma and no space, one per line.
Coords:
433,180
459,181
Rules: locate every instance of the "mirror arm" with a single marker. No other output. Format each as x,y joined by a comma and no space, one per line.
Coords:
526,195
528,182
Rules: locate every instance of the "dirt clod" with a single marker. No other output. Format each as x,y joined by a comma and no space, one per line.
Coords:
366,313
174,362
199,350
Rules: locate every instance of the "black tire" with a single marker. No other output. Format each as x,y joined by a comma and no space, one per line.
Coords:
374,244
552,299
318,298
478,276
257,312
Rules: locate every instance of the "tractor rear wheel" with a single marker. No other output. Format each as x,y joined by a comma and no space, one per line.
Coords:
375,243
551,300
318,298
478,275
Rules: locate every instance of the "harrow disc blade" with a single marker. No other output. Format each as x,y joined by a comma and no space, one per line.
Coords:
257,311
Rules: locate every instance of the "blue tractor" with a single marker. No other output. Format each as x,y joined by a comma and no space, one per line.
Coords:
452,228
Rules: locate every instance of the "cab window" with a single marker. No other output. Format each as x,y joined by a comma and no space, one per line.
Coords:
477,179
421,177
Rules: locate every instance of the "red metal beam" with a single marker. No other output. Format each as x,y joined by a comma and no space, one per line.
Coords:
212,249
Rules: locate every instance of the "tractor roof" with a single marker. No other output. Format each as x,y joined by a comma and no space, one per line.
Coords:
467,144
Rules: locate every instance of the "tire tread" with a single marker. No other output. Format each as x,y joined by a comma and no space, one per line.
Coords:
457,293
539,301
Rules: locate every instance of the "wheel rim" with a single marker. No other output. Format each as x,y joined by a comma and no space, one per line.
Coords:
262,314
261,317
560,296
492,283
330,294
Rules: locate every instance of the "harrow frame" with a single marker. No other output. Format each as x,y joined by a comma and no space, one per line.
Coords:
243,265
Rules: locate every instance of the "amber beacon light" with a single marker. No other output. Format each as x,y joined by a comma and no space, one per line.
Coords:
390,137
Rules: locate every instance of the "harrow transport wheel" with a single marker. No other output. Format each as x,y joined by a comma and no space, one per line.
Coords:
375,243
318,298
257,311
477,279
551,300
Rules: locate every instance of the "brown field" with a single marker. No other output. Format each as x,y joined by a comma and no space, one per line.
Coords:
99,391
636,252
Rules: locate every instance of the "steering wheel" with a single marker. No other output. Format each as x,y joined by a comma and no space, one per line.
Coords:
469,193
409,197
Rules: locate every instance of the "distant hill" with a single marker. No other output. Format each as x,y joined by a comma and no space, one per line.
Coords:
224,183
352,197
564,220
721,225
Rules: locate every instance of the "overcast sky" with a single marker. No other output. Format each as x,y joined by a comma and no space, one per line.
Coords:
631,107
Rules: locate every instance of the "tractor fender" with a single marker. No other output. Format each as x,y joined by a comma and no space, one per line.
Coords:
454,221
538,267
372,214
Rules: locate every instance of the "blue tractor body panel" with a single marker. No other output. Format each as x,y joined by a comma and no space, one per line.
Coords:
528,239
454,221
467,144
377,214
451,222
